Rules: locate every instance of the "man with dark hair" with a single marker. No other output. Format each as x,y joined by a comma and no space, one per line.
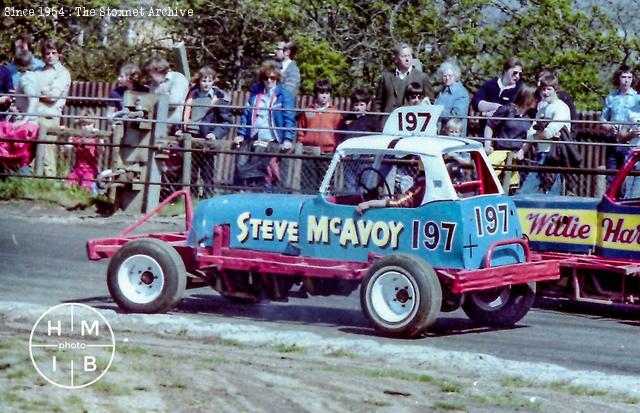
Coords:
393,84
501,90
165,81
616,109
285,53
55,81
22,42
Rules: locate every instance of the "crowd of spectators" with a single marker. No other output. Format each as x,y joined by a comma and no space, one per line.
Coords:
33,92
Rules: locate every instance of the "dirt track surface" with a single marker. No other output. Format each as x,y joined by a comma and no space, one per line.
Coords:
169,363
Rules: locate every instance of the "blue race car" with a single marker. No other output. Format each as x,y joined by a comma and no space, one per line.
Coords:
418,221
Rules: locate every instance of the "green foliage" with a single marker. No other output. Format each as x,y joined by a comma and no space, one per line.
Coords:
318,60
349,42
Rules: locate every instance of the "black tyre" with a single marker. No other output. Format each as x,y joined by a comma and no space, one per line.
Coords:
500,307
146,276
401,295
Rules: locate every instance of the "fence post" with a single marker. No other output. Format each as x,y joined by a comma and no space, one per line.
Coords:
601,183
186,161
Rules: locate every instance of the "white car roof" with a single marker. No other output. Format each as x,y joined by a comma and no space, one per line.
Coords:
434,145
411,129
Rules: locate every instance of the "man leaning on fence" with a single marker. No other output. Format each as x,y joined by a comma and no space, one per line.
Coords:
55,81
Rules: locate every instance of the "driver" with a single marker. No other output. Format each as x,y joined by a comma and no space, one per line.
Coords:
411,198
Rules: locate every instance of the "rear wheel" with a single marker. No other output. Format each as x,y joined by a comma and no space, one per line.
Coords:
146,276
401,295
500,307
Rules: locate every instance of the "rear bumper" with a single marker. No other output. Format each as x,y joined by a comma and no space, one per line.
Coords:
465,281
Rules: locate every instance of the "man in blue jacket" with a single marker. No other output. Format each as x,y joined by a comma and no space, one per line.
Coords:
267,125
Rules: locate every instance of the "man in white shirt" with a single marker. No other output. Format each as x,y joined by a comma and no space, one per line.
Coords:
167,82
55,81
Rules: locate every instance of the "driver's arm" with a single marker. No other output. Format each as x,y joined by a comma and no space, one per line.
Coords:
374,203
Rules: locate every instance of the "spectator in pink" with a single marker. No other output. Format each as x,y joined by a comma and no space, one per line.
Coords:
85,169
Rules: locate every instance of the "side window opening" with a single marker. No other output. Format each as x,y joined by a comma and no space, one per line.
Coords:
469,174
359,178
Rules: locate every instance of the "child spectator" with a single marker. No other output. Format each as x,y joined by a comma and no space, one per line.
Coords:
415,95
206,110
357,124
320,115
85,169
206,103
27,89
453,127
129,79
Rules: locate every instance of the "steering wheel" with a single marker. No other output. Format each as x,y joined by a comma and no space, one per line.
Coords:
381,183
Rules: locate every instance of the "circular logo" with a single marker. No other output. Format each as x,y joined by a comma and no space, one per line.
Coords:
72,345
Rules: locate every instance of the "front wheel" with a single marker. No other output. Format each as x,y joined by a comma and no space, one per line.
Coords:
500,307
401,295
146,276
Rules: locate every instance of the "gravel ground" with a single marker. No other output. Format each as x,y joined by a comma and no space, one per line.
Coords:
171,363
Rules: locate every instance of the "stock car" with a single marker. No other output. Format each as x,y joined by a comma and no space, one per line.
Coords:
459,245
595,240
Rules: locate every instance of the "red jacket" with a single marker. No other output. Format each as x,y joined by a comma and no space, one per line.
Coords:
325,119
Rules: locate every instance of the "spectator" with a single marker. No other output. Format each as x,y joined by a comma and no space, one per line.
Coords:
207,103
453,127
129,79
414,95
564,96
55,81
499,91
22,42
206,115
453,96
285,53
16,154
357,124
500,134
85,168
6,87
165,81
267,125
559,121
616,109
320,114
393,84
28,89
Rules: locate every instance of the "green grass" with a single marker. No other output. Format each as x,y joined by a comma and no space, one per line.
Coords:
284,348
449,406
110,388
49,191
341,353
507,400
129,349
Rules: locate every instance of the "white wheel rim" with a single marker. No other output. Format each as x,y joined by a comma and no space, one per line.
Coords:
140,279
393,297
491,300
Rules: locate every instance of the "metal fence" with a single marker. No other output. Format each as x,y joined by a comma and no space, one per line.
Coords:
209,166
